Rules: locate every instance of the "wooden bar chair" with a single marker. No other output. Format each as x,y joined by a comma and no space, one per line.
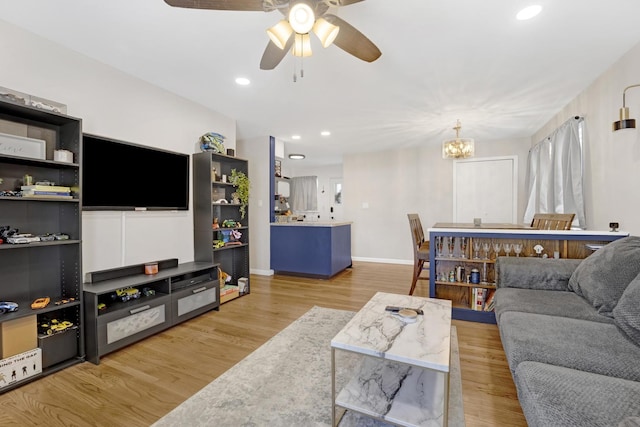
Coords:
552,221
420,251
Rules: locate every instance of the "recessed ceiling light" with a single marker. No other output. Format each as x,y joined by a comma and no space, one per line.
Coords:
295,136
325,133
296,156
529,12
243,81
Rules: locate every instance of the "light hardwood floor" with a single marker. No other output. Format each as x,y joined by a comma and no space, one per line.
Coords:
137,385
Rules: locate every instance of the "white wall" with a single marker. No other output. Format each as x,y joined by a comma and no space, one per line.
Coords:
395,183
612,160
256,151
115,105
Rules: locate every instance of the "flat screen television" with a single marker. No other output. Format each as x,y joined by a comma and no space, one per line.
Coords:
122,176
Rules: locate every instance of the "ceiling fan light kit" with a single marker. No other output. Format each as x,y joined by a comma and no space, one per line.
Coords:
302,45
326,31
292,33
301,18
280,33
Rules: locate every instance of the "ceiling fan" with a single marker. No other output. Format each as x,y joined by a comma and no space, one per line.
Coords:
292,33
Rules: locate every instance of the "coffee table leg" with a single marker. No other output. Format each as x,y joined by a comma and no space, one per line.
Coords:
333,387
445,408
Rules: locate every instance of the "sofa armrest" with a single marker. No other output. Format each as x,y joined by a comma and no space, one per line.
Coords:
534,273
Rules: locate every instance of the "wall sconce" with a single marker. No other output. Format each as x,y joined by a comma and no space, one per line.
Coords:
458,148
625,122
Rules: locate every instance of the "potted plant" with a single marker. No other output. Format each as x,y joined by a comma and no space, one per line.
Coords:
240,180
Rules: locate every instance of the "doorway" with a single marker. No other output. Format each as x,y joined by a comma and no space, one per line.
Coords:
336,206
486,188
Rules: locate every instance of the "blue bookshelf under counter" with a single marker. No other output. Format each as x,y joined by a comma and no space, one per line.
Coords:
464,247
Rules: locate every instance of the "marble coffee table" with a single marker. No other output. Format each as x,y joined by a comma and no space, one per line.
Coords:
403,377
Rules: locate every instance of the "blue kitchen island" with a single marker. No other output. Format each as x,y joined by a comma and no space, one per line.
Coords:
310,249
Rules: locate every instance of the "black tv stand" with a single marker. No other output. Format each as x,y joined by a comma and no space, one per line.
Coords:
178,292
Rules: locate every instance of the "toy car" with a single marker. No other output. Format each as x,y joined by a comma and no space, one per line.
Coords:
102,306
148,292
7,306
44,106
55,326
230,223
47,237
22,238
64,301
40,303
126,294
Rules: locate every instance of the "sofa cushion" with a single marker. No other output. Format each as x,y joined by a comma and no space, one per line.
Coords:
630,422
557,396
554,303
535,273
595,347
602,277
626,314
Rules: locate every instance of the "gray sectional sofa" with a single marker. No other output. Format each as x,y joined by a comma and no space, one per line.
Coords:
571,333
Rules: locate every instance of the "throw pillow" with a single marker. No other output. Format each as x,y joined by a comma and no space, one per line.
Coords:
602,277
627,312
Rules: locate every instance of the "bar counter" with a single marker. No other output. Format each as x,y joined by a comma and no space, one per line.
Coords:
466,247
310,248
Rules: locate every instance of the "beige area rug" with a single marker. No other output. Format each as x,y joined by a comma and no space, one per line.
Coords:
287,381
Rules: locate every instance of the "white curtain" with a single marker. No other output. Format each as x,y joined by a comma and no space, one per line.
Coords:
304,193
554,173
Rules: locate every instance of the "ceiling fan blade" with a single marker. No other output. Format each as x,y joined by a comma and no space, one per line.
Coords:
353,41
273,55
242,5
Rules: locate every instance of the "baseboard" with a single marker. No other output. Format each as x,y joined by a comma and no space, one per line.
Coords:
383,260
359,259
261,272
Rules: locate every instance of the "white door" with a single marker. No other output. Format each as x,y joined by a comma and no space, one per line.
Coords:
486,188
335,204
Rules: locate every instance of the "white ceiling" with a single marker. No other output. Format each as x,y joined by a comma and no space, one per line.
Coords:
441,60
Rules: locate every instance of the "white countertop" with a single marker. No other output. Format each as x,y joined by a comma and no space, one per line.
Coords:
312,223
533,232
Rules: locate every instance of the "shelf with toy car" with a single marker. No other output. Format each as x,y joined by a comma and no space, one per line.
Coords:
58,335
130,296
59,346
24,307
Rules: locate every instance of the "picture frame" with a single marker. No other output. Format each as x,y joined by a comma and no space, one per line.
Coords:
20,146
278,169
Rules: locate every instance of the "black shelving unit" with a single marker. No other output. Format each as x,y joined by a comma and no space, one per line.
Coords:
48,268
209,187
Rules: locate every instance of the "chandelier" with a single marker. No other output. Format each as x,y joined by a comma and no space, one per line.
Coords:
458,148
